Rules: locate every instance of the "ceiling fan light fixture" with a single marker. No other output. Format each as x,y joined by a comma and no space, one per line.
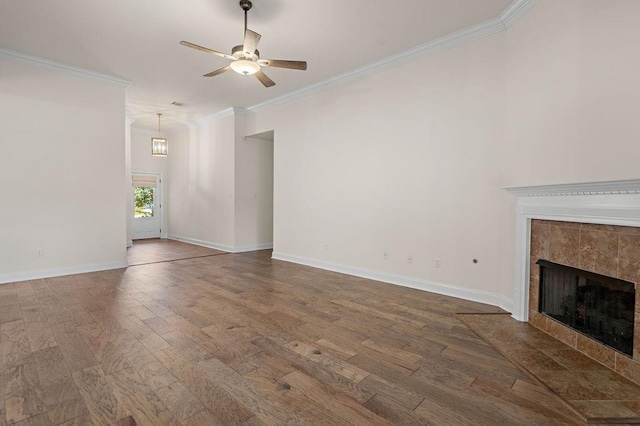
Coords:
244,67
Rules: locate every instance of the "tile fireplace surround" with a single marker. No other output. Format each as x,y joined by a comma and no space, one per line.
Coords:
590,226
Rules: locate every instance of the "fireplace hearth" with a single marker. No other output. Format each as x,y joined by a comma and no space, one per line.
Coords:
598,306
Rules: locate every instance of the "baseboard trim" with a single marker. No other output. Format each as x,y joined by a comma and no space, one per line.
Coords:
404,281
201,243
244,249
223,247
58,272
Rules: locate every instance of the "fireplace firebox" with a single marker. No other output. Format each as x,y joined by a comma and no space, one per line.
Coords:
595,305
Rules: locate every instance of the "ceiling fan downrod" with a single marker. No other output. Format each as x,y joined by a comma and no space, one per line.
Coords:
246,5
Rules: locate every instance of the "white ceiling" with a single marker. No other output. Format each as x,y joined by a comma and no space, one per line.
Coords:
138,40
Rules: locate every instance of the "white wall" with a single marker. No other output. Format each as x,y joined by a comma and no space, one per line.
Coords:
221,187
141,158
62,174
412,160
573,91
254,192
200,195
401,161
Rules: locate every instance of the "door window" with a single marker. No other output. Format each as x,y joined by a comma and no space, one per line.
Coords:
143,202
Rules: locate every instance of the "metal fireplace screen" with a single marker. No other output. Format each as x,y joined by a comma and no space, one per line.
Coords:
595,305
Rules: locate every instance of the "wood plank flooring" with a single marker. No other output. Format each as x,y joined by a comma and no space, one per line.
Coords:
243,339
156,250
591,389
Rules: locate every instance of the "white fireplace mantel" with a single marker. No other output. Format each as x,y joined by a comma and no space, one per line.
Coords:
606,203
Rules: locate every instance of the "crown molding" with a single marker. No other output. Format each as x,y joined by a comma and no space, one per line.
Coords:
16,56
240,111
506,19
466,35
631,186
220,114
515,11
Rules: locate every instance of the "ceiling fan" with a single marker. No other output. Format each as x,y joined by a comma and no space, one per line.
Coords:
246,58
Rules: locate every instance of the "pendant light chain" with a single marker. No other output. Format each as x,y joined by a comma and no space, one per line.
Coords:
159,133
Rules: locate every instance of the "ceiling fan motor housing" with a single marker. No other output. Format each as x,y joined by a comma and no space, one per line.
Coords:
239,53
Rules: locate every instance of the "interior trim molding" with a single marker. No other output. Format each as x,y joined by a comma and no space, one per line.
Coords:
220,114
201,243
404,281
253,247
58,272
223,247
506,19
240,111
631,186
59,66
515,11
466,35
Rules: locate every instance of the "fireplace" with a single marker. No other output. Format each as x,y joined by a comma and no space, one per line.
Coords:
592,226
598,306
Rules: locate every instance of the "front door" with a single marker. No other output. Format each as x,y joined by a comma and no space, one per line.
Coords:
147,221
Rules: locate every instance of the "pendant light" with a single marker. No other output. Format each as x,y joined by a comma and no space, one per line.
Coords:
159,145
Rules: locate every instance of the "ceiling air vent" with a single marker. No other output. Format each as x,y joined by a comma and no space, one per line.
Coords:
178,104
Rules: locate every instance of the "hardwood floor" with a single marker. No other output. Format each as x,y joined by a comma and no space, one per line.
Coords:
243,339
591,389
156,250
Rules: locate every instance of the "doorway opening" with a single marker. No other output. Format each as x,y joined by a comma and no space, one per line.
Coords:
254,192
147,205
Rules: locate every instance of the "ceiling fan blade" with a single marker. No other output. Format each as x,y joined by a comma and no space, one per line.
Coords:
251,40
216,72
205,49
264,79
294,65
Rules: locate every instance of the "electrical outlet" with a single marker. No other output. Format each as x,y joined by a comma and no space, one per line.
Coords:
39,252
438,264
385,255
410,259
